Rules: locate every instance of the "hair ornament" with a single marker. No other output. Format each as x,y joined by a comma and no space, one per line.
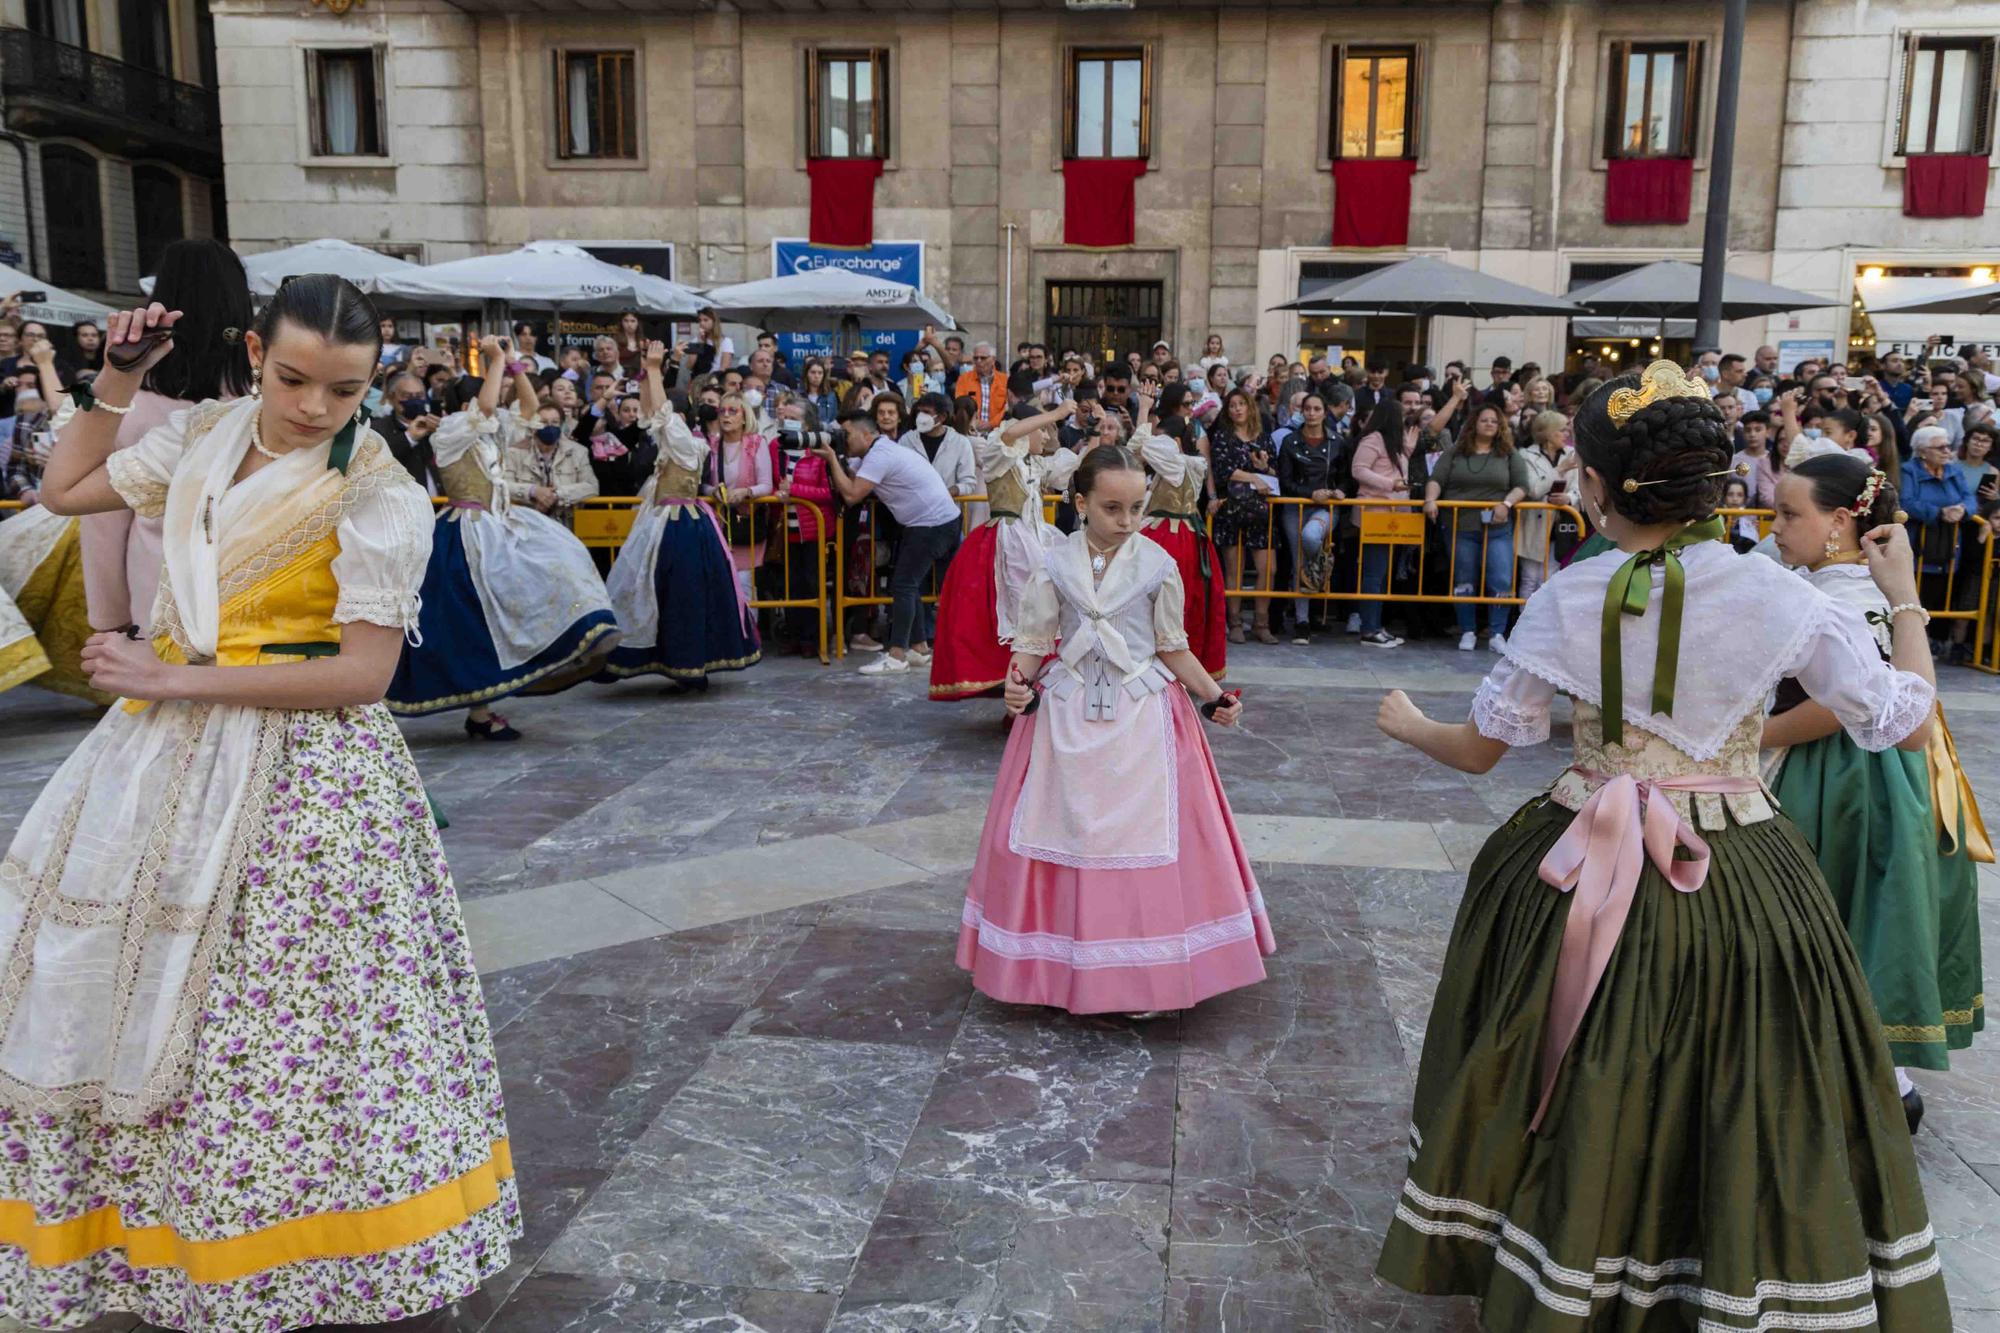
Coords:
232,335
1662,379
1735,470
1866,500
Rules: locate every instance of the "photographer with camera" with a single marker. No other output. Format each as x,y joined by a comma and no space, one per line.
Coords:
407,422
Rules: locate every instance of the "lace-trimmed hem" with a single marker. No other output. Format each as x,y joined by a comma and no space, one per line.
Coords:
1910,702
1497,721
137,487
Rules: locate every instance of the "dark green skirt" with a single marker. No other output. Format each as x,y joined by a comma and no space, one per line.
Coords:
1725,1149
1912,912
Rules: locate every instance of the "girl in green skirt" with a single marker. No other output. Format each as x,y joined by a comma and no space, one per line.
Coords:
1908,892
1654,1093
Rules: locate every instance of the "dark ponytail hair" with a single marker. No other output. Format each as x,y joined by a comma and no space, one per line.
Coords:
203,279
1837,482
326,304
1100,460
1387,421
1673,451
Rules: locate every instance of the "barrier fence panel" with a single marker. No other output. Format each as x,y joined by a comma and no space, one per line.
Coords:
865,527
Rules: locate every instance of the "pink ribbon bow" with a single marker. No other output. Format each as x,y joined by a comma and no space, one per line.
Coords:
1600,858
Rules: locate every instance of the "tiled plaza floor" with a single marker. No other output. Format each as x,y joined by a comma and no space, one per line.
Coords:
749,1090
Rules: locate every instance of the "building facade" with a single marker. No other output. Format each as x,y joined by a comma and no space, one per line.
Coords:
437,129
109,110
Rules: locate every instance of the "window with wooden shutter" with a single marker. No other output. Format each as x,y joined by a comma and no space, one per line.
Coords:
1375,91
1652,97
1108,103
1947,102
597,105
847,103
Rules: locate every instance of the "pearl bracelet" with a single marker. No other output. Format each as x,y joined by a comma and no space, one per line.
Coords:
1901,607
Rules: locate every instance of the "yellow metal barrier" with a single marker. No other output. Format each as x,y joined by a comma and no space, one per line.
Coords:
7,506
1396,523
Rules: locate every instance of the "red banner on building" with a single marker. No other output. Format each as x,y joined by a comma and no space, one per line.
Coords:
1647,189
1944,185
843,200
1371,201
1098,210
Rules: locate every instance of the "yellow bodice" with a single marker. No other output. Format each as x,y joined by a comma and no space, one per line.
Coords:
1182,497
1645,755
465,481
1006,494
676,481
293,604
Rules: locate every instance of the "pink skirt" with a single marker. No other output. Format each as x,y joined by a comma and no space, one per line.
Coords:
1098,941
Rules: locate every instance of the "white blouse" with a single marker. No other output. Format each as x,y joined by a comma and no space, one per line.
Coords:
1745,625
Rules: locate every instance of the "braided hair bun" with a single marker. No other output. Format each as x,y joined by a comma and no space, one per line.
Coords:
1838,481
1669,449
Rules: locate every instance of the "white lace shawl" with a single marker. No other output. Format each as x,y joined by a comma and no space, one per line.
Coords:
1745,624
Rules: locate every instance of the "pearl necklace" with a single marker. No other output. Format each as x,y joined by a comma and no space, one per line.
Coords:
257,438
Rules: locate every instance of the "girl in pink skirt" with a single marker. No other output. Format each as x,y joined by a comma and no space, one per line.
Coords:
1110,874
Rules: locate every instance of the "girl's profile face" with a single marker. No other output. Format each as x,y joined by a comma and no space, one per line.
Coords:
1800,526
1115,506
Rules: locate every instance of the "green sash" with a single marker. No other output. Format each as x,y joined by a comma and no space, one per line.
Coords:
1630,589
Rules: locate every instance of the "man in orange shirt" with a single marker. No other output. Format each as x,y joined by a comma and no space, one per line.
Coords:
985,385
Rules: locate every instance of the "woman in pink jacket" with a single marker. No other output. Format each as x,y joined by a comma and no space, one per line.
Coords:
1381,472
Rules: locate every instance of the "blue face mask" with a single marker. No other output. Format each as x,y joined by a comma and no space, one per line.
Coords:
548,434
1764,393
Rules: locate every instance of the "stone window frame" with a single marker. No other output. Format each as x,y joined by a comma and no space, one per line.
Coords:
304,52
1902,53
554,56
804,51
1694,83
1332,46
1598,87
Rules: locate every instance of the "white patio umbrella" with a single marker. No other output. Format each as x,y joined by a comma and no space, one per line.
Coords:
1965,301
814,300
59,306
1424,285
357,263
547,275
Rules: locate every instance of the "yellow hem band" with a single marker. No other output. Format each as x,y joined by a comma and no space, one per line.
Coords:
323,1236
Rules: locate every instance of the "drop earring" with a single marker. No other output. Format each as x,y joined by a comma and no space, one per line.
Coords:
256,381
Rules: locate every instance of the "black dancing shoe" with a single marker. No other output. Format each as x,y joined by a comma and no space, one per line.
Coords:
494,728
1913,1110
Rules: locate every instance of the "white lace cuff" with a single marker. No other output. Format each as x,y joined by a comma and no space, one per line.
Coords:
1909,702
135,483
1168,643
387,607
1499,720
1040,647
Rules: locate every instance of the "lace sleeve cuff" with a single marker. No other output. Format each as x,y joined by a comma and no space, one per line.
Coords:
1498,719
378,606
1909,702
135,483
1040,647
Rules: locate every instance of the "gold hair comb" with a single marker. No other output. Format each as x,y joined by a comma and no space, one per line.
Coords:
1739,470
1662,379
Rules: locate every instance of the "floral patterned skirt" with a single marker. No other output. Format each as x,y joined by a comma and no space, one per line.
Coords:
340,1154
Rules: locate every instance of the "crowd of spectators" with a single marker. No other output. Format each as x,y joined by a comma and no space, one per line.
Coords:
1464,447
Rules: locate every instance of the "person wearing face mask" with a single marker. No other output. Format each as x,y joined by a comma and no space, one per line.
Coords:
512,602
980,599
949,452
407,425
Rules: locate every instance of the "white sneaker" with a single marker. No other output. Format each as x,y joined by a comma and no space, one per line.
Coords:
1498,643
863,643
920,656
1466,643
886,665
1354,623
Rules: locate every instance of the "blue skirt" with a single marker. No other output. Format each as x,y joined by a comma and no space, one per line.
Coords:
688,603
457,666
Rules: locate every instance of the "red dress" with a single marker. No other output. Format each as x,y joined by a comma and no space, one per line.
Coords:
1174,521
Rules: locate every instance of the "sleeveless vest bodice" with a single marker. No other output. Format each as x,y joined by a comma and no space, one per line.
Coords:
675,481
1181,498
1006,494
463,480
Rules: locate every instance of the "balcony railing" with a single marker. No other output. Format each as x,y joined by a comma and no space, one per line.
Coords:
52,87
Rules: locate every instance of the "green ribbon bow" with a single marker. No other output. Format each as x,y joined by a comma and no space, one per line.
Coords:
1631,588
343,446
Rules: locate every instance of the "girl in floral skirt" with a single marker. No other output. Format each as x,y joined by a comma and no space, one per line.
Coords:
246,1080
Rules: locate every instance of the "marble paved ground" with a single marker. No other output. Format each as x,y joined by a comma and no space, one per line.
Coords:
749,1090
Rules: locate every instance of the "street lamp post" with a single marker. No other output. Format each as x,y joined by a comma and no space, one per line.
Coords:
1721,165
